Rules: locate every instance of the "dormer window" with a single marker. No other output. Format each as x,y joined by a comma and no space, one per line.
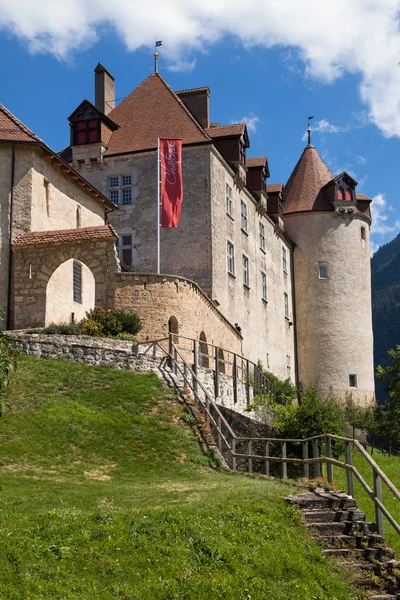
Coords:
86,131
242,152
349,195
340,194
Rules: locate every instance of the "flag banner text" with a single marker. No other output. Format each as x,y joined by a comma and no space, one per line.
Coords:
171,181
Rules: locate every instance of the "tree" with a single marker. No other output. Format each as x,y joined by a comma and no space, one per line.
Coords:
8,363
358,417
387,416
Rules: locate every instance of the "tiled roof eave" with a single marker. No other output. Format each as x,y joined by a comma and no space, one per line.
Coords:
65,236
154,149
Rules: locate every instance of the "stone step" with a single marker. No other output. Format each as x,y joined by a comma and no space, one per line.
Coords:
331,516
351,541
357,566
364,553
344,528
322,500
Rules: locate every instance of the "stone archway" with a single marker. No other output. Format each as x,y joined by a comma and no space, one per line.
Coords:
38,256
173,327
70,293
203,351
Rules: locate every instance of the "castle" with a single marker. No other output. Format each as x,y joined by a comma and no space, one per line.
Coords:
280,273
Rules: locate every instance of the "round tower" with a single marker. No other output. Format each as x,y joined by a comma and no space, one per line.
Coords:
330,226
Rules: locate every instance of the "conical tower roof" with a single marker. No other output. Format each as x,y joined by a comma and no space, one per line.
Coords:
304,188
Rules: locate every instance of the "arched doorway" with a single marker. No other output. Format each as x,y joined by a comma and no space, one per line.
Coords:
203,351
173,327
70,293
221,361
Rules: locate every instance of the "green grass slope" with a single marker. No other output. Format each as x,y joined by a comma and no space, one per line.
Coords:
106,495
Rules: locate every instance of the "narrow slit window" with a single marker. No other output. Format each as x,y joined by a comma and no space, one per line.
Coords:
353,381
228,199
262,236
284,260
264,286
230,257
323,271
363,234
286,305
243,215
77,282
246,271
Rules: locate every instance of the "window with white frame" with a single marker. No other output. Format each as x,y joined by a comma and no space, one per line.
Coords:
228,198
264,286
323,271
77,282
246,271
230,257
120,189
262,236
243,215
353,381
286,304
284,260
124,247
288,367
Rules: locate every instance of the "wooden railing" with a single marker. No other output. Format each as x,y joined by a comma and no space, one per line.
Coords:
229,443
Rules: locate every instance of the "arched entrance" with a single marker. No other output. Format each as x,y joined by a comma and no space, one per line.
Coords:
173,327
203,351
70,293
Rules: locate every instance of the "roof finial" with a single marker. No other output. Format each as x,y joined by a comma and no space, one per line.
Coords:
309,133
158,43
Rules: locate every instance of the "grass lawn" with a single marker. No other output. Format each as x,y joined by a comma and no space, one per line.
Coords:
391,467
106,495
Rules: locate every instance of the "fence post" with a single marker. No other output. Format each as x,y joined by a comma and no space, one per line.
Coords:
247,382
328,451
250,460
315,451
350,481
216,371
175,360
378,495
235,390
306,466
233,447
284,464
185,379
195,364
219,436
267,461
171,363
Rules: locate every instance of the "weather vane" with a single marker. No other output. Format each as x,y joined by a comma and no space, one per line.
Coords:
309,131
158,43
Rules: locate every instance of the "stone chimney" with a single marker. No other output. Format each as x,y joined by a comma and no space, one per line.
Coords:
104,89
197,101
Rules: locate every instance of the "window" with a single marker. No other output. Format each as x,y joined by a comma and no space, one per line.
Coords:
262,236
363,234
323,271
120,190
353,381
228,197
230,257
340,194
124,248
77,282
243,215
242,153
288,367
284,260
264,286
286,305
267,360
246,271
348,196
87,131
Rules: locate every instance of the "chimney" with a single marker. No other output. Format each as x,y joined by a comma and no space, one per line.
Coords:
197,101
104,89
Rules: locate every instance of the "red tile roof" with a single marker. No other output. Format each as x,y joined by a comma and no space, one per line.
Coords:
12,130
274,188
152,110
226,130
363,198
257,161
64,236
304,188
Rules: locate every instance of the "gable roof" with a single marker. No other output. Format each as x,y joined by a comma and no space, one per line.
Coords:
85,103
13,130
274,188
152,110
304,188
62,236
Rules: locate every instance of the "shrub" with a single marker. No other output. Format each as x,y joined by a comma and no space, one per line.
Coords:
8,363
131,322
62,329
127,337
107,319
90,327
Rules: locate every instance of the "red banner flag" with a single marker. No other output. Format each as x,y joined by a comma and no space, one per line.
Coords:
171,182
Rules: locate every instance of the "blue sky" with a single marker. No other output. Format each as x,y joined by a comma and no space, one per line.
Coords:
272,69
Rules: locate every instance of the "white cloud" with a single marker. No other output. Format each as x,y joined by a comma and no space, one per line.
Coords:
251,121
361,160
324,126
381,222
330,37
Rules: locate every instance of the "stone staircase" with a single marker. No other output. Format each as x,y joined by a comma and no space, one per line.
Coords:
335,519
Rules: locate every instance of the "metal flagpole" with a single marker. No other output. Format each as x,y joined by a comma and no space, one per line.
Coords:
158,207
